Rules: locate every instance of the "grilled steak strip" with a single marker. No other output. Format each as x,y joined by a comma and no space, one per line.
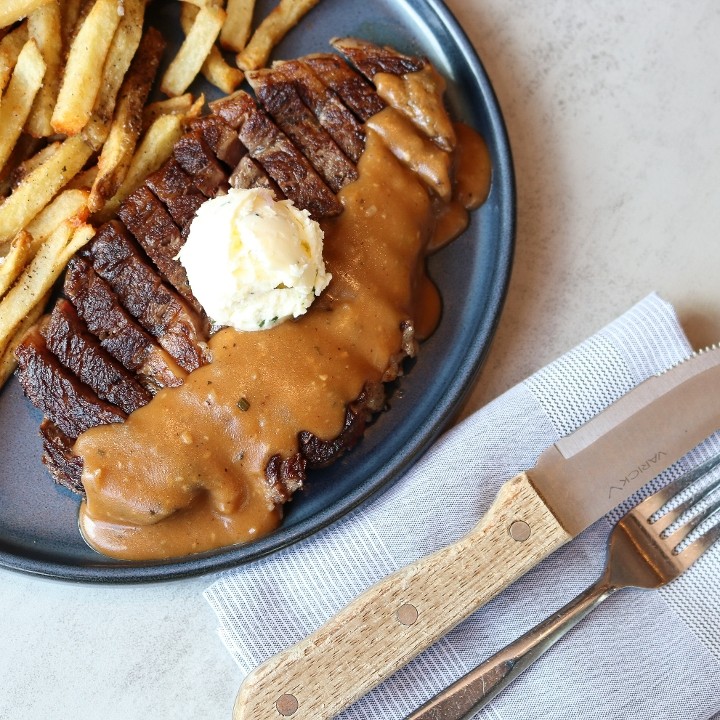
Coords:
197,160
356,92
151,225
250,174
65,467
281,159
69,340
54,390
175,188
119,334
220,138
116,259
371,59
330,112
282,100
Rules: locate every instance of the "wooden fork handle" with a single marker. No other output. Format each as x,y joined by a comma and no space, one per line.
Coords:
384,628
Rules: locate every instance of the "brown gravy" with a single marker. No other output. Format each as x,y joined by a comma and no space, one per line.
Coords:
186,473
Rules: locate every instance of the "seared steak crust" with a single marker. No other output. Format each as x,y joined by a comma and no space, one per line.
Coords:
130,324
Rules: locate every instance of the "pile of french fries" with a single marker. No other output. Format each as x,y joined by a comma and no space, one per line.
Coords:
77,132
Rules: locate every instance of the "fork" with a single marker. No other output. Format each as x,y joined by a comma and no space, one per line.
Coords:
649,547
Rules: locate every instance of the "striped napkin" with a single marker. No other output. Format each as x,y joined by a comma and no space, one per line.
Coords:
642,655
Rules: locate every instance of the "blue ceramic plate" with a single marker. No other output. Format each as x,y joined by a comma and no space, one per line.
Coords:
38,520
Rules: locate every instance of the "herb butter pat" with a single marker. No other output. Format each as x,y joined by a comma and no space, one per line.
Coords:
253,262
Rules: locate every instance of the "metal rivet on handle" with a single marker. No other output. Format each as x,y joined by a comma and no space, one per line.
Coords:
407,614
520,531
286,704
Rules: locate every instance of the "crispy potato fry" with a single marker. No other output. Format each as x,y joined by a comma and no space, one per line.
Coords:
69,206
179,105
15,261
81,80
155,148
27,166
13,10
215,69
44,28
117,151
25,148
10,47
41,185
271,31
8,363
19,96
83,180
73,11
236,30
122,50
192,53
39,276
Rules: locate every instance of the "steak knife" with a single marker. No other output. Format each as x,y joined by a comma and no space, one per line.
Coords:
574,483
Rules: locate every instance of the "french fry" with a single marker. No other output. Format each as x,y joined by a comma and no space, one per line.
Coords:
83,180
271,31
117,151
71,13
179,105
194,50
155,148
81,79
215,69
39,187
236,29
122,50
25,148
45,29
13,10
19,96
8,363
27,166
39,276
15,261
69,206
10,47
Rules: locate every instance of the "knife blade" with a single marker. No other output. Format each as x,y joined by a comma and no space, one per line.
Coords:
575,482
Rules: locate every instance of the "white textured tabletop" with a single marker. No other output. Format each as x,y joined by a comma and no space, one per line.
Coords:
612,111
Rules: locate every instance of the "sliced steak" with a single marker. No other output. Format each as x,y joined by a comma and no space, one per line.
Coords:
220,138
357,93
67,337
281,99
198,161
116,259
58,457
250,174
282,161
327,107
118,333
371,59
56,392
151,225
175,188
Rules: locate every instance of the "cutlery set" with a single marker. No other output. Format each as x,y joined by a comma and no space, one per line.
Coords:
574,483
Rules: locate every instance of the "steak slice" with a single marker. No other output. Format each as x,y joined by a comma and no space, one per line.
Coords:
57,393
65,467
371,59
282,161
220,138
197,160
151,225
327,107
118,333
67,337
356,92
175,188
250,174
116,259
281,99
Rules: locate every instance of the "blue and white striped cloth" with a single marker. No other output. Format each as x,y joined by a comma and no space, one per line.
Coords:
643,655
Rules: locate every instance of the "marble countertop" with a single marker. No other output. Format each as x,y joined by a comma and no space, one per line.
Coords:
612,111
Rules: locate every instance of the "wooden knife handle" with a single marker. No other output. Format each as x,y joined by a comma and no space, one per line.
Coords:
389,624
